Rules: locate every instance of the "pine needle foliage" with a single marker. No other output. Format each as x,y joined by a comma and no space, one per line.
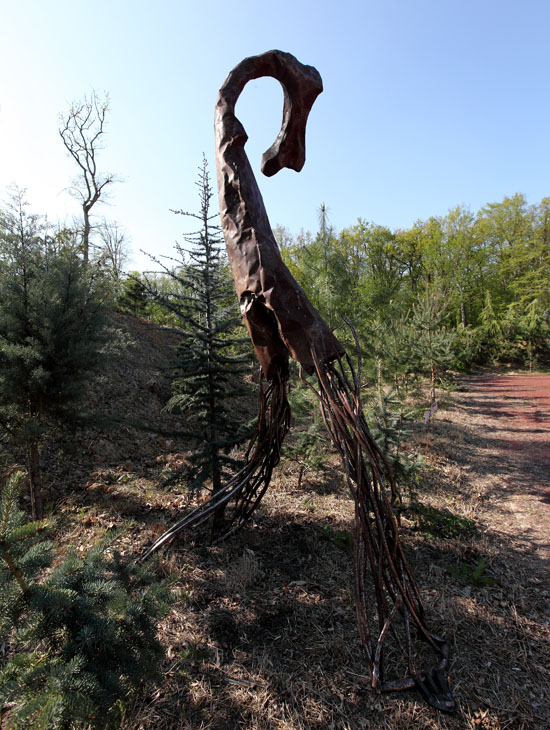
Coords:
211,360
83,637
309,445
133,296
53,313
388,422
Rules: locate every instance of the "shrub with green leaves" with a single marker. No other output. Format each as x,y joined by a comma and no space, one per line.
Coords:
80,639
474,575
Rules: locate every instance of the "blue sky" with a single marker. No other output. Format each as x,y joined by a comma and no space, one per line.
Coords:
427,104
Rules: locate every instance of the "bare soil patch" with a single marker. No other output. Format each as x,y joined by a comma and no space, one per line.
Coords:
510,417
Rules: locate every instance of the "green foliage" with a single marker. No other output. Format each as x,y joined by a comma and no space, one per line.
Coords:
387,421
308,448
489,332
191,657
308,504
443,523
525,335
53,312
23,552
340,538
431,341
133,297
52,316
210,362
474,575
448,292
466,347
82,636
142,295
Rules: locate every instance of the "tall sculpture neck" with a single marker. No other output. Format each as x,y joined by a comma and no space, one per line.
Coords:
279,317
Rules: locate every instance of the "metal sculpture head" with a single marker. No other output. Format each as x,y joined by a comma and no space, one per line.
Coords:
301,86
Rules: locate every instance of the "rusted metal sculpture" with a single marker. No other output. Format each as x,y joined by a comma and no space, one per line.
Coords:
282,322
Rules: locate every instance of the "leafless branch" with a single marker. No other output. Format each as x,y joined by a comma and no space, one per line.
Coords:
81,131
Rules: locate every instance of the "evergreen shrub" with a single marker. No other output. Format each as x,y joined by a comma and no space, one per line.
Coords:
81,634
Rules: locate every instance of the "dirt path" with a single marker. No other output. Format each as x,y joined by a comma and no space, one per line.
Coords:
509,418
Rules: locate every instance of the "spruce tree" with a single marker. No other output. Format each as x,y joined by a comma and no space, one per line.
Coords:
308,446
388,422
432,347
489,331
133,296
52,329
80,637
208,369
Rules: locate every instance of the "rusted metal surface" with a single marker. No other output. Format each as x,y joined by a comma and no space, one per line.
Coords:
380,564
282,323
278,315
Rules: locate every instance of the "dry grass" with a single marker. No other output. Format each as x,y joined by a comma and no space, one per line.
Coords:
264,635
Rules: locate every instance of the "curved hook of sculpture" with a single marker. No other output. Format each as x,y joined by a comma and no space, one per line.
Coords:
282,322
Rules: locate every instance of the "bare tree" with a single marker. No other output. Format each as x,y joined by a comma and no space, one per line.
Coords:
114,247
82,130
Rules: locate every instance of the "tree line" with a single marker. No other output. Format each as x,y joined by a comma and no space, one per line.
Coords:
482,278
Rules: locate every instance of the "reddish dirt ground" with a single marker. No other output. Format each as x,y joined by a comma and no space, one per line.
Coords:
515,413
